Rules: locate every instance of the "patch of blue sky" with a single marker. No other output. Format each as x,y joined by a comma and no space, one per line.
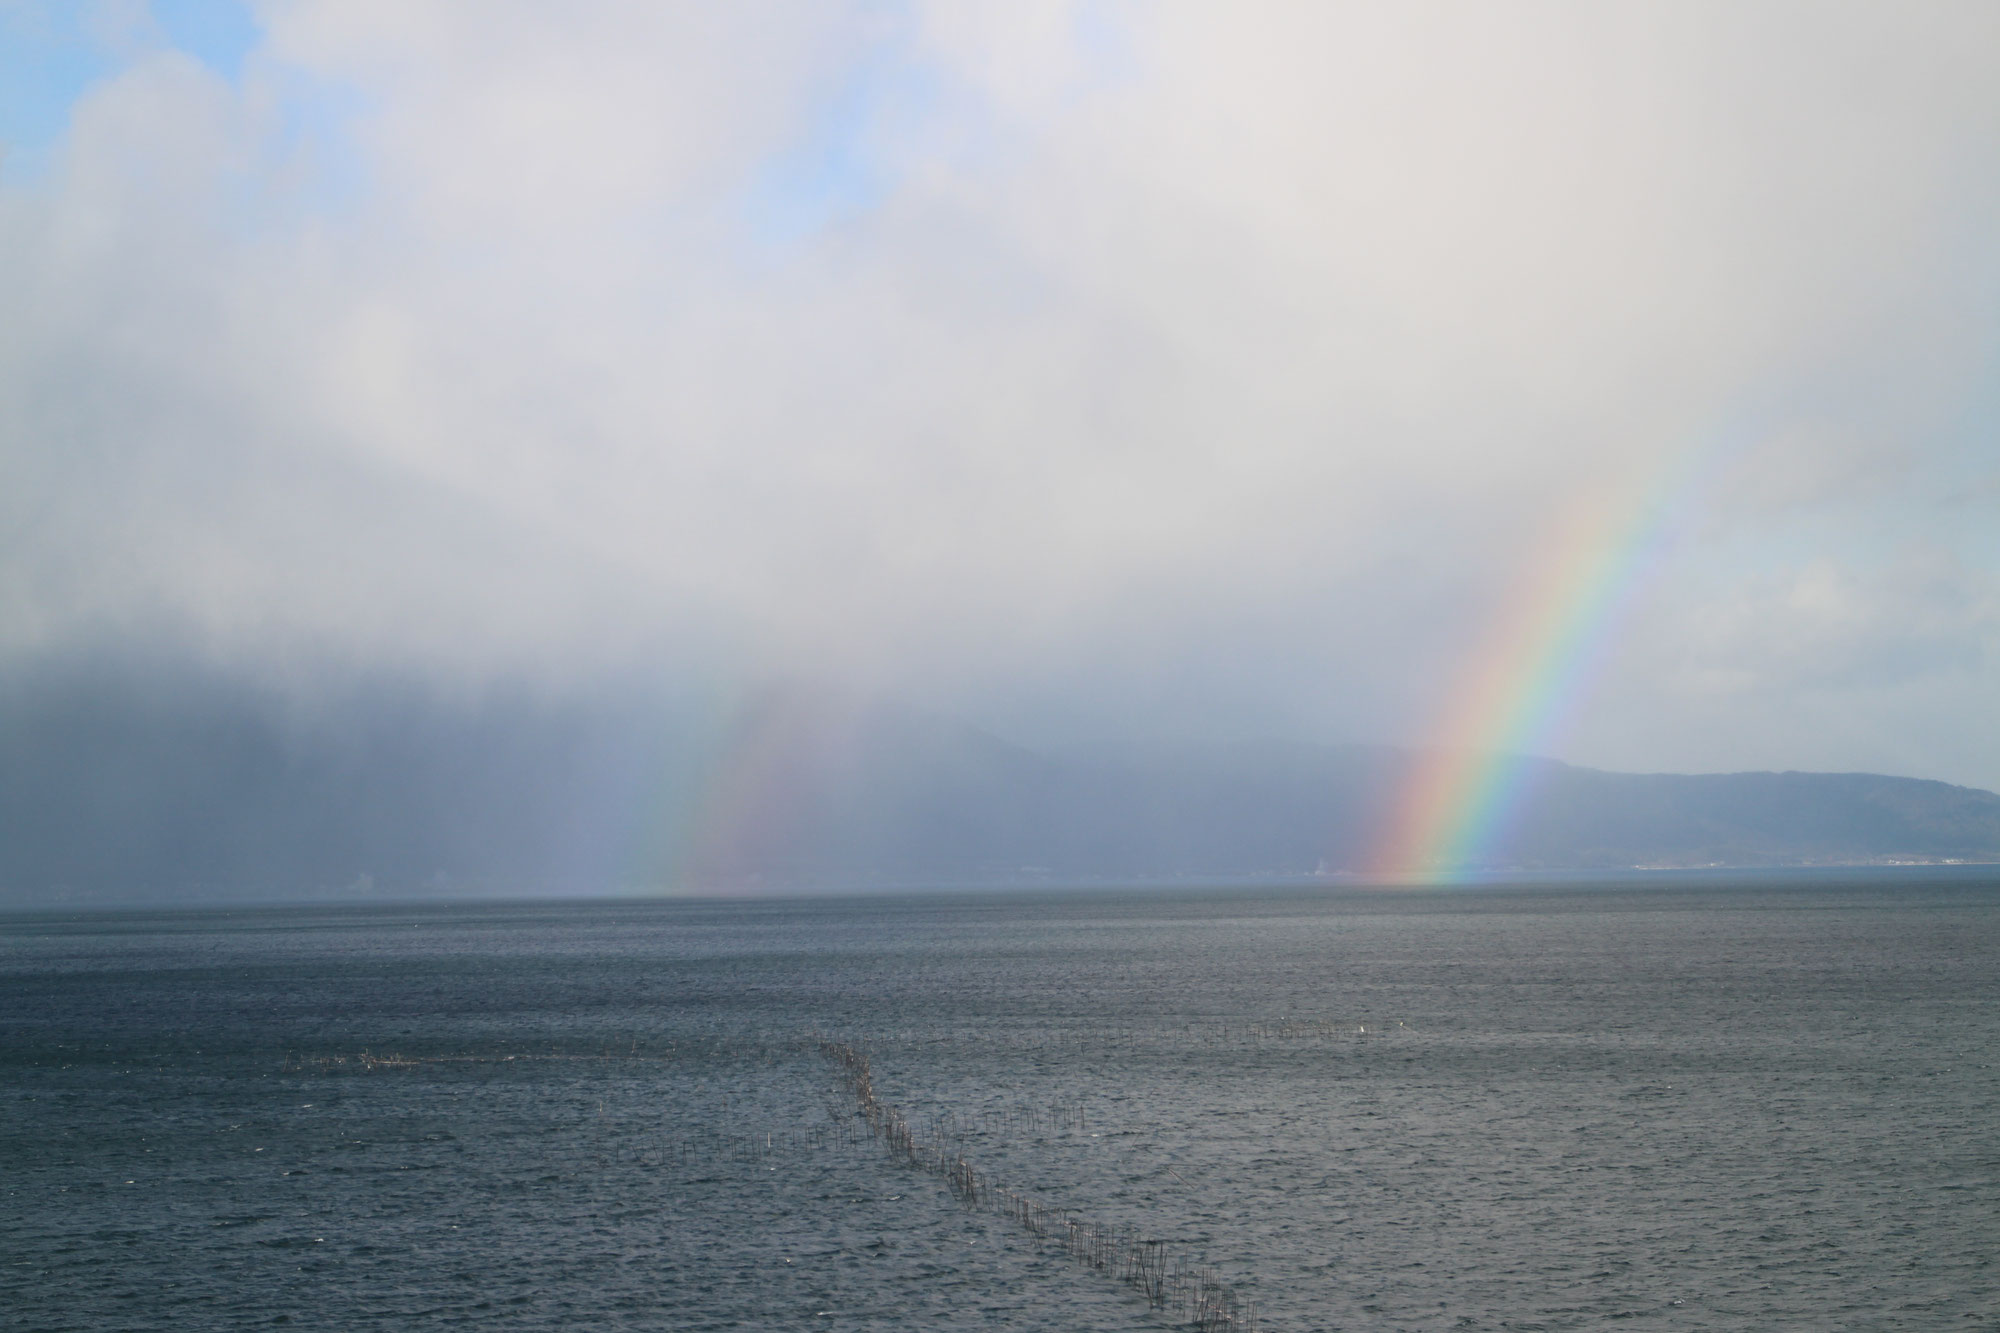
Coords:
219,33
52,53
310,168
836,170
840,166
317,147
49,57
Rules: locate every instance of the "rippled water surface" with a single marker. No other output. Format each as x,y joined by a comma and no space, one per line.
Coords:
1689,1104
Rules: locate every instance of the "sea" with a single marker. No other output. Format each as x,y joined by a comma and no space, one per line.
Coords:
1679,1101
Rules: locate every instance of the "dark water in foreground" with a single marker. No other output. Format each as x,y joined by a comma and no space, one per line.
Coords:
1697,1105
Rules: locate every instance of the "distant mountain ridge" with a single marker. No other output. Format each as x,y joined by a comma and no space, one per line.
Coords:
190,789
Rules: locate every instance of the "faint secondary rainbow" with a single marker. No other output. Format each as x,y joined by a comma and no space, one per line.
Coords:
1529,675
725,810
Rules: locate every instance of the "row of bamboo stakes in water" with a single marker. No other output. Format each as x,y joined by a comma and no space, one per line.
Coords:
1196,1293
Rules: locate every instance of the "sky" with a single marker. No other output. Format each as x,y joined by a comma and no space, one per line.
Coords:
1155,370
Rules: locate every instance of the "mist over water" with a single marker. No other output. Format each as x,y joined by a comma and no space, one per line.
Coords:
135,788
1699,1102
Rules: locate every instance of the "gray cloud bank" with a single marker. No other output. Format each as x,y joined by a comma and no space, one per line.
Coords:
1177,370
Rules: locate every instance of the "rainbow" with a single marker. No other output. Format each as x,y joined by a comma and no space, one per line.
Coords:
741,789
1459,801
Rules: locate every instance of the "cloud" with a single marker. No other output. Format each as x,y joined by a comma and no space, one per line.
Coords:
1823,627
1158,362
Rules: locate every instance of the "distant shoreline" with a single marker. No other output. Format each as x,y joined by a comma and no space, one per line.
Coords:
1561,880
